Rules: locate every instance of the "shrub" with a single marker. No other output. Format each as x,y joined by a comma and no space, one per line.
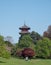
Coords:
28,52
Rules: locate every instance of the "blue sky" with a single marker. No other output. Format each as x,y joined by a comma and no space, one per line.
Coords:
13,13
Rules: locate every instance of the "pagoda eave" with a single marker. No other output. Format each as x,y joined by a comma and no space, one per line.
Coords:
24,28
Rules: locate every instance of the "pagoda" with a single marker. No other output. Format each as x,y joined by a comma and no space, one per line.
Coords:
24,29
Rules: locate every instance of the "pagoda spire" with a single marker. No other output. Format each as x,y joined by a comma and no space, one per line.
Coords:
24,22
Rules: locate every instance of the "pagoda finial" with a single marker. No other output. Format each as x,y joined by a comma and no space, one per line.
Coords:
24,22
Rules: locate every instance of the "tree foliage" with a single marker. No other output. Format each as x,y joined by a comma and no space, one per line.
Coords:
25,42
3,51
43,48
35,36
28,52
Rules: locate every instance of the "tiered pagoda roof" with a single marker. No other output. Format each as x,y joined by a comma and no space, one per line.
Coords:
24,29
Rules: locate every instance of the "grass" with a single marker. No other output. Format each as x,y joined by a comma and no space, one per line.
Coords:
15,61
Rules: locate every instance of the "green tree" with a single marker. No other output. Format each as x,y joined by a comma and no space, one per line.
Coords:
35,36
3,51
26,41
43,48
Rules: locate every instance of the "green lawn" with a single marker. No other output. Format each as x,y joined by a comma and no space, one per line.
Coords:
14,61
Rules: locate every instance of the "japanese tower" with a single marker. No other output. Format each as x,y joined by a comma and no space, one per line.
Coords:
24,29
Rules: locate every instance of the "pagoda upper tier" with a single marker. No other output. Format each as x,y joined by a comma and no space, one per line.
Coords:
24,29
